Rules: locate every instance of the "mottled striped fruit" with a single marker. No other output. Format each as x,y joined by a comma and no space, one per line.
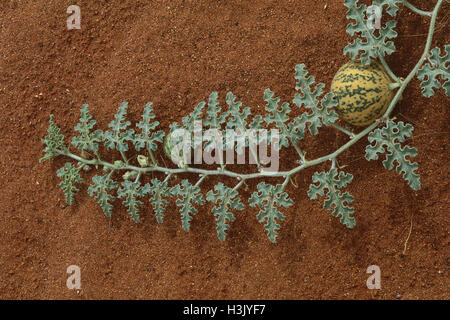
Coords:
362,92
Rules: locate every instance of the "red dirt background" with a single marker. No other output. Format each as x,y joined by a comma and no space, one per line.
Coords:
174,53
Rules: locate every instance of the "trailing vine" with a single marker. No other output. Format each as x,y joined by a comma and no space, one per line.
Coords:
385,136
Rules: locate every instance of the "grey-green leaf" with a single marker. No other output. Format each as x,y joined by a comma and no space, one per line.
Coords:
187,195
158,191
225,199
131,191
329,184
392,5
54,141
148,138
70,176
245,133
437,66
387,140
278,115
99,190
268,198
319,111
373,46
118,136
87,140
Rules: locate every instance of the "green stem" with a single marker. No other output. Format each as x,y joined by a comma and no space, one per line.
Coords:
416,10
388,70
138,176
167,178
238,185
419,63
300,153
152,157
124,157
111,173
394,85
333,163
286,180
287,174
203,177
205,172
347,132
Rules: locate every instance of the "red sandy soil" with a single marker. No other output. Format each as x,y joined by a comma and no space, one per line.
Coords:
174,53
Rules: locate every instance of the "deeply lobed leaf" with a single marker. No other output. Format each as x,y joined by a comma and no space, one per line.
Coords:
187,195
373,46
279,116
225,199
87,140
99,190
387,140
158,190
268,198
429,72
54,141
392,5
118,136
245,131
308,96
189,125
70,176
131,191
148,138
329,184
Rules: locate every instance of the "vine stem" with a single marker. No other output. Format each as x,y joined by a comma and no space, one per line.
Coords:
300,153
388,70
167,178
241,182
138,176
203,177
152,157
347,132
305,164
333,163
421,60
286,180
416,10
394,85
124,157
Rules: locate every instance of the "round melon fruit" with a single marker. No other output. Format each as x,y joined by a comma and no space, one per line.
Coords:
362,92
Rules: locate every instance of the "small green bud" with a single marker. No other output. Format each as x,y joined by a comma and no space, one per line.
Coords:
129,175
86,168
143,161
85,155
118,164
